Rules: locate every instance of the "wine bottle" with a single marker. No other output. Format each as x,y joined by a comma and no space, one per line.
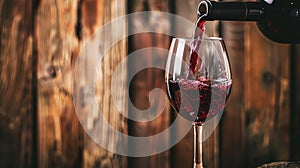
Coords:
278,20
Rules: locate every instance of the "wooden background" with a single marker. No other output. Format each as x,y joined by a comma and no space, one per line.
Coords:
40,41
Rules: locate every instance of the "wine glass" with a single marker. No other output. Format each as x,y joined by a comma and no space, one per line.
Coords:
198,81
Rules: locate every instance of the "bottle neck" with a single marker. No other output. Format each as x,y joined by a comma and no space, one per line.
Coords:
278,21
231,11
248,11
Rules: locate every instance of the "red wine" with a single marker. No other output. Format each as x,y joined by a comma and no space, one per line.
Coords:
199,28
198,34
198,100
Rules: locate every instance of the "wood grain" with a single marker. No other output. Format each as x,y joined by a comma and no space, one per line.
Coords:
281,164
59,135
63,27
258,101
233,120
148,79
294,102
94,15
16,84
266,99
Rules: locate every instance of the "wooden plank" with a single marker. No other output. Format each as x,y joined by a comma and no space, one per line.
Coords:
232,122
62,28
266,99
16,84
59,133
295,102
94,15
148,79
259,99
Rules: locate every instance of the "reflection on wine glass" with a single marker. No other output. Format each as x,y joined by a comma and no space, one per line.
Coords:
198,81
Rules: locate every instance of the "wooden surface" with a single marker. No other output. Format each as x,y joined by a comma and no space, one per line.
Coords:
40,41
257,118
150,78
259,100
57,121
94,15
281,165
232,129
17,108
267,80
294,148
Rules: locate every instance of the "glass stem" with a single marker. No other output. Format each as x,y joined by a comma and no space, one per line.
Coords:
198,163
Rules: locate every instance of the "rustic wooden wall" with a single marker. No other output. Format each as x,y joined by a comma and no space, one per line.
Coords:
232,122
40,40
267,121
256,119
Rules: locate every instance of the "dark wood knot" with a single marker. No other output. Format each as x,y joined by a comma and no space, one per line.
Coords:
268,78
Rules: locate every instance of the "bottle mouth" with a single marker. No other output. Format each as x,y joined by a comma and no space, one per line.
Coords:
203,8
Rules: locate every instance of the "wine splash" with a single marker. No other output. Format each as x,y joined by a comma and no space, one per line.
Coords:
197,35
202,98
